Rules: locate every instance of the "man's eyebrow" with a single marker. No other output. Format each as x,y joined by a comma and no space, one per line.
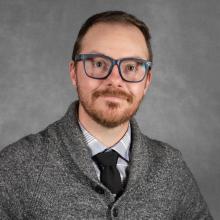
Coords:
132,56
96,52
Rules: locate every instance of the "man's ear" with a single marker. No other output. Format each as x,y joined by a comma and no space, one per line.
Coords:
72,70
148,81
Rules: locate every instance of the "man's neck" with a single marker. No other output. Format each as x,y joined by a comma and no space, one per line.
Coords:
107,136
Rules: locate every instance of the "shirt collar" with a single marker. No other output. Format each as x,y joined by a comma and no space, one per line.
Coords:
122,146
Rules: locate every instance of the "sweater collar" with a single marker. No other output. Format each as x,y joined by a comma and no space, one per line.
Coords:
76,145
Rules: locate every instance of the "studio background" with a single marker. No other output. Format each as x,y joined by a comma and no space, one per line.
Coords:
182,105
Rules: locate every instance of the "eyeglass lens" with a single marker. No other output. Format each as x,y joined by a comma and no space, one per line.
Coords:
97,67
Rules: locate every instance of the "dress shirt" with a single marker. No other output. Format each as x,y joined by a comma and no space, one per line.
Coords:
122,148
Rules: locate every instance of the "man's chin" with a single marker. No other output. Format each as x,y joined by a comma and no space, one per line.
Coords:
112,109
112,99
111,123
110,103
110,117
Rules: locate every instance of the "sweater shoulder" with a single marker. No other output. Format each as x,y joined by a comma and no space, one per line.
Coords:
22,164
24,148
162,149
169,159
28,152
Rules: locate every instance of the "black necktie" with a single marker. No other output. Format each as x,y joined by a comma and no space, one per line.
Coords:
109,174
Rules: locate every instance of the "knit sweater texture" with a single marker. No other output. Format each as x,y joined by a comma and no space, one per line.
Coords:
50,175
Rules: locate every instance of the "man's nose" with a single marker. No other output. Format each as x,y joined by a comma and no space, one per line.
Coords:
114,77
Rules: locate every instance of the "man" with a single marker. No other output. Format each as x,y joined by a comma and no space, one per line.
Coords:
94,163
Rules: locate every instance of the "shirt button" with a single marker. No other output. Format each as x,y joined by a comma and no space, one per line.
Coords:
99,190
115,212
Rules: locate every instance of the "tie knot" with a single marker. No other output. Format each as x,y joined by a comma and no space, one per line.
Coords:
107,158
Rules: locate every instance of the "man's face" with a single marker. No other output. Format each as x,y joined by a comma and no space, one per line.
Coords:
112,101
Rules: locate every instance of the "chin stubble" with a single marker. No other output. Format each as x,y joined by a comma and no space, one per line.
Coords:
113,119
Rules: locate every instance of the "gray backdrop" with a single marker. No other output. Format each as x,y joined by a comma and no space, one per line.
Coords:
182,106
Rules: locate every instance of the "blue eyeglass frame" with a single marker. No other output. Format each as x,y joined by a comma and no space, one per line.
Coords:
83,57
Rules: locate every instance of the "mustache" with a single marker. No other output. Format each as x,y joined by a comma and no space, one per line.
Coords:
114,93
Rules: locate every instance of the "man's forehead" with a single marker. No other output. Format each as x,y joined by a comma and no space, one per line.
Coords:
112,25
114,35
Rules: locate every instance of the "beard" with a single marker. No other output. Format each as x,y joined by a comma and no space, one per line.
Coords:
111,114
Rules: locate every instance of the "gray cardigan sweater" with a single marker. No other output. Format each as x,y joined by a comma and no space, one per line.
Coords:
50,175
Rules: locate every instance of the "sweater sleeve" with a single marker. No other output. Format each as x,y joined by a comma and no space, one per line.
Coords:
10,202
3,210
5,203
18,176
193,205
3,214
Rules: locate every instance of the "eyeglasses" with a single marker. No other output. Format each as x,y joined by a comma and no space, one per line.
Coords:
99,66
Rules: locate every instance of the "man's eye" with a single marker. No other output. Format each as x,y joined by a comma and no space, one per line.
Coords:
131,67
98,64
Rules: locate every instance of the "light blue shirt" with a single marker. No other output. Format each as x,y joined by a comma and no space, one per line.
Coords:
122,147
